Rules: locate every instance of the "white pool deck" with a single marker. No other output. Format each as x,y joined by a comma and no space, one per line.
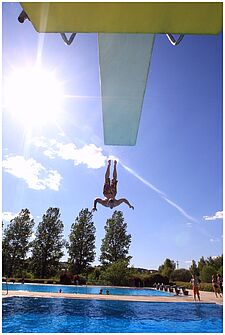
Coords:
206,297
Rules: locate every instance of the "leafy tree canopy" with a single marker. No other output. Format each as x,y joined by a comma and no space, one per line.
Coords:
48,244
81,246
167,267
116,243
16,242
206,273
194,268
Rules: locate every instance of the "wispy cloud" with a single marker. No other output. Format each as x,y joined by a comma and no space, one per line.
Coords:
214,240
35,175
89,154
180,209
160,193
144,181
216,216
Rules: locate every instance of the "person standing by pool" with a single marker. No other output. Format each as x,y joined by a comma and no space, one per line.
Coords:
215,286
220,282
195,286
110,190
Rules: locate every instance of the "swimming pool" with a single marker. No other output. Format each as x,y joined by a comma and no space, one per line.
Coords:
59,315
84,289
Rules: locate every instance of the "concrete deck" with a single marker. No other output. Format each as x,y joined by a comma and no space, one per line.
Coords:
206,297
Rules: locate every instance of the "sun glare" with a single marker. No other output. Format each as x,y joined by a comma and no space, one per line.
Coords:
33,96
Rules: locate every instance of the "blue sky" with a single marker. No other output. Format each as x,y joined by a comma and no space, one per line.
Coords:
173,176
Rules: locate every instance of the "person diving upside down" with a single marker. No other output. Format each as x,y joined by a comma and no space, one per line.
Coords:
110,190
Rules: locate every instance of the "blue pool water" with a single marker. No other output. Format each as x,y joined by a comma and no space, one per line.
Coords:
84,289
48,315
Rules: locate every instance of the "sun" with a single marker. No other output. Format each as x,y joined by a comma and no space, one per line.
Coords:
33,96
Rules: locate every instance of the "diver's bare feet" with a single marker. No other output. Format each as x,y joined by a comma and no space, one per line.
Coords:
109,162
115,162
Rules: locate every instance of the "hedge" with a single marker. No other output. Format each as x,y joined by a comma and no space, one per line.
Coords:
202,286
35,281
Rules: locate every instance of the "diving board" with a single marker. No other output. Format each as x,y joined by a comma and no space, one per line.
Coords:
126,17
126,38
124,63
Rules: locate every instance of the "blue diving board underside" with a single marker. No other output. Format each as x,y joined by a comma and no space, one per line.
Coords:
124,64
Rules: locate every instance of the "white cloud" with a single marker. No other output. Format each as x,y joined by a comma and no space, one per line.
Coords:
217,215
89,154
35,174
52,180
8,216
215,257
65,151
188,262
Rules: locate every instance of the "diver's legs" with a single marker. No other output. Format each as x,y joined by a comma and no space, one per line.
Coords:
107,173
114,171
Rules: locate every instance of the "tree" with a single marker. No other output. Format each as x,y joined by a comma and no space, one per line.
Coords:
116,243
167,267
194,269
210,266
48,244
82,242
16,244
201,264
116,273
206,273
216,262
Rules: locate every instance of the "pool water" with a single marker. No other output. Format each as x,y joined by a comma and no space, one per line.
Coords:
84,289
59,315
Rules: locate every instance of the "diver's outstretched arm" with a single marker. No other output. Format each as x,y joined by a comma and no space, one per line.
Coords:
120,201
100,201
95,204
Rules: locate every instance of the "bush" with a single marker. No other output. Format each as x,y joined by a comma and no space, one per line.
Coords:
206,287
153,278
116,274
202,286
36,281
26,280
66,279
93,276
79,280
147,279
181,275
